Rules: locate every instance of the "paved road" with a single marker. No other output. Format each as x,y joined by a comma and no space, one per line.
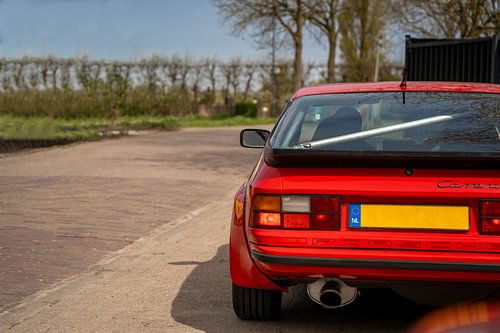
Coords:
131,235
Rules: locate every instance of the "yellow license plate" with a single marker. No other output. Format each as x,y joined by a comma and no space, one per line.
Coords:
409,217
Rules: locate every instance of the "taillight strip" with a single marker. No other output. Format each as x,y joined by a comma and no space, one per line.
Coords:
296,212
490,217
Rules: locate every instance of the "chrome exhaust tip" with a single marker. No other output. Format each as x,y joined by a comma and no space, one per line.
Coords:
331,293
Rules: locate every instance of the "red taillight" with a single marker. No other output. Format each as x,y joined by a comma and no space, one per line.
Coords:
325,222
490,225
325,213
296,221
268,219
296,212
325,204
490,217
490,208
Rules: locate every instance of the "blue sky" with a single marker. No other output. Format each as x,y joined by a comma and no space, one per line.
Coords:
123,29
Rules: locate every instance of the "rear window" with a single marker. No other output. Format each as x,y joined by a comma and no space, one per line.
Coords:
391,122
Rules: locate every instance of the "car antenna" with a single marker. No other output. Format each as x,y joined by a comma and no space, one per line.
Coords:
403,81
403,84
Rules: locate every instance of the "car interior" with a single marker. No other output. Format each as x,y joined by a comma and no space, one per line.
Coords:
474,130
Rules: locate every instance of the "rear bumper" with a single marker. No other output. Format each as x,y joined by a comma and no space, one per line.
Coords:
379,264
375,265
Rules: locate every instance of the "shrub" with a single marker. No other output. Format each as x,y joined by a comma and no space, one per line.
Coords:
246,109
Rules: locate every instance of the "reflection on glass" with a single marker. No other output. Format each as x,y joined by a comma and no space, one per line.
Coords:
421,122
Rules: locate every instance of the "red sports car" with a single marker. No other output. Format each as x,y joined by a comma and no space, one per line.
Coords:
369,185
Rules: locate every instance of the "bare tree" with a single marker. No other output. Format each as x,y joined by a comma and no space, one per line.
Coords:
149,68
184,70
362,26
197,72
18,70
308,71
53,66
173,69
94,71
324,16
125,71
256,16
65,74
212,66
33,75
6,84
235,67
227,73
293,15
82,73
451,18
118,74
250,69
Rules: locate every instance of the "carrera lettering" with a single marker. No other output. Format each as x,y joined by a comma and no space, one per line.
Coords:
451,184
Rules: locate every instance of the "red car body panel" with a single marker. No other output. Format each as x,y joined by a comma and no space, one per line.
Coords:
395,86
244,272
385,255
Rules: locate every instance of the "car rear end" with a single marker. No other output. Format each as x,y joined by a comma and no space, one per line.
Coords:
394,224
405,193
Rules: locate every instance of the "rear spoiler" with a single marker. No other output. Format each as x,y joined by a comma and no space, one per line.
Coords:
301,158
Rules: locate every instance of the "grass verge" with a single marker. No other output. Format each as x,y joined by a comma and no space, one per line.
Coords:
221,121
43,128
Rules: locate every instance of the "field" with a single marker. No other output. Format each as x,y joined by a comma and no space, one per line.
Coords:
45,128
66,100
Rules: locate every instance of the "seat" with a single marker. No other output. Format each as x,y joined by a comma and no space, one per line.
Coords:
346,120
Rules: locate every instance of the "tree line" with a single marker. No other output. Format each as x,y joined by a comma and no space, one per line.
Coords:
175,85
355,32
359,29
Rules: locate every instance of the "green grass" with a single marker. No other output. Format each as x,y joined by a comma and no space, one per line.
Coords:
44,128
220,121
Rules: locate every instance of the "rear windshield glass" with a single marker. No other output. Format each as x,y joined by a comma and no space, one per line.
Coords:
393,122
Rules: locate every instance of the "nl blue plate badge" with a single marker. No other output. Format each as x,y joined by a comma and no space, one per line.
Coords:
355,216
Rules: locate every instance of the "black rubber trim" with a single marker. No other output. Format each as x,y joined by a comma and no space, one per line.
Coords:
301,158
384,264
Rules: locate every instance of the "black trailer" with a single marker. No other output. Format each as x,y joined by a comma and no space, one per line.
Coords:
462,60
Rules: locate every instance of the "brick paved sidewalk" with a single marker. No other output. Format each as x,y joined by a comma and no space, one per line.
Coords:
63,209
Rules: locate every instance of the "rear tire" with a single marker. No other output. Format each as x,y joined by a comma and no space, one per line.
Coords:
256,304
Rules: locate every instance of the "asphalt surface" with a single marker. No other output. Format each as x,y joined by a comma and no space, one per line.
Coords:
131,235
